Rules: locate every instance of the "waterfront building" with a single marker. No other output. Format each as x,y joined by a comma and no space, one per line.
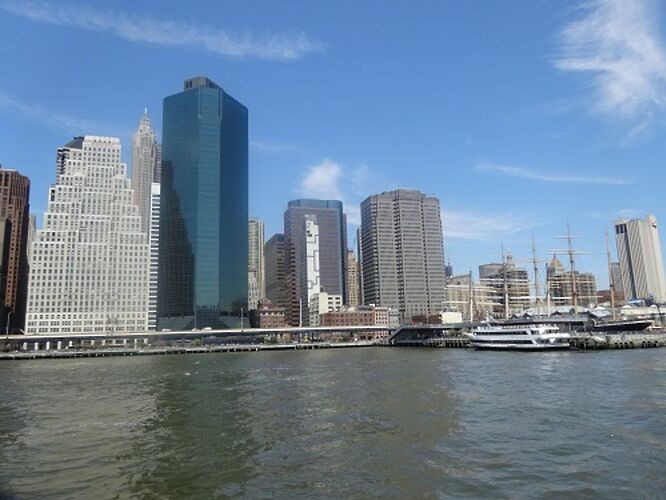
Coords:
146,168
353,271
267,315
402,253
15,207
616,278
473,301
641,261
276,270
154,242
90,265
331,224
256,284
560,285
507,287
359,316
203,224
321,303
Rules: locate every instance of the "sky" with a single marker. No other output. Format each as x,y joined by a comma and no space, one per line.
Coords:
520,116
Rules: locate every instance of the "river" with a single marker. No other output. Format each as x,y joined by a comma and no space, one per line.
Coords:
339,423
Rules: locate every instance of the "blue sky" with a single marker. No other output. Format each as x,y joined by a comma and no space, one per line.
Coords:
518,115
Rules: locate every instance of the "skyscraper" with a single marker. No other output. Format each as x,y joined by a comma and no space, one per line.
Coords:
641,261
154,241
331,221
255,264
353,299
402,252
203,224
14,206
311,274
276,270
146,157
90,260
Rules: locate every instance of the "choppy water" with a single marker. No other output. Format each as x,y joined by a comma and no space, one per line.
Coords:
355,423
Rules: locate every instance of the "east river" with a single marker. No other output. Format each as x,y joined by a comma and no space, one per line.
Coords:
340,423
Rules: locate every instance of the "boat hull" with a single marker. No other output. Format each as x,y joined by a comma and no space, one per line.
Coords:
523,348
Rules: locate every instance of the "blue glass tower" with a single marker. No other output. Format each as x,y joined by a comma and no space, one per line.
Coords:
203,222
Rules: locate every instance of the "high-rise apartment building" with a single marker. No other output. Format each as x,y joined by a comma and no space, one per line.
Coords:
402,253
90,263
154,242
14,206
203,224
256,281
276,270
353,270
641,261
146,168
331,224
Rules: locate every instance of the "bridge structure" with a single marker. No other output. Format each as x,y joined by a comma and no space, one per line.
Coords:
193,338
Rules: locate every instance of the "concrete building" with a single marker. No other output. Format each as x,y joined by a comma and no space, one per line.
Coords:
331,224
256,283
267,315
32,230
507,287
90,266
641,261
402,253
15,207
472,300
203,224
5,244
616,277
276,270
146,168
154,242
353,288
321,303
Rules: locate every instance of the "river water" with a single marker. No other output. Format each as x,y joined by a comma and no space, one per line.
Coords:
348,423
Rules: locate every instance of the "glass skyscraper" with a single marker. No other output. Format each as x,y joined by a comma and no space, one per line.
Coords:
203,255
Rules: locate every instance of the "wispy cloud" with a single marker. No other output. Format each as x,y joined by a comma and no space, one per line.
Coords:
334,181
617,44
479,226
136,27
273,147
527,173
57,120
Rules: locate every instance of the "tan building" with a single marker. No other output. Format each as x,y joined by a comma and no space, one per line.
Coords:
353,284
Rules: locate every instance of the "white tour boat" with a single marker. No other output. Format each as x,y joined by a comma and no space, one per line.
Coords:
519,337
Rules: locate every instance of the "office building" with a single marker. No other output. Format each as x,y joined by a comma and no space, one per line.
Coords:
353,288
276,270
641,261
402,253
561,285
146,168
331,224
14,206
255,265
32,230
507,287
154,242
203,224
321,303
90,263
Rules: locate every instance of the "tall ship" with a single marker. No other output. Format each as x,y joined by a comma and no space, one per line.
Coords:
519,337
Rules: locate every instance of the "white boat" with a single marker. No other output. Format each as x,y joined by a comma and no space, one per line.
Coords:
519,337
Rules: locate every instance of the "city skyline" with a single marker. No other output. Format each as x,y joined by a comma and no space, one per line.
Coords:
498,156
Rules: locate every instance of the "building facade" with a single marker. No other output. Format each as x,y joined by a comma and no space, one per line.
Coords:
276,270
331,224
507,287
641,261
256,283
402,253
563,285
146,168
154,242
321,303
15,207
203,225
353,285
90,263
